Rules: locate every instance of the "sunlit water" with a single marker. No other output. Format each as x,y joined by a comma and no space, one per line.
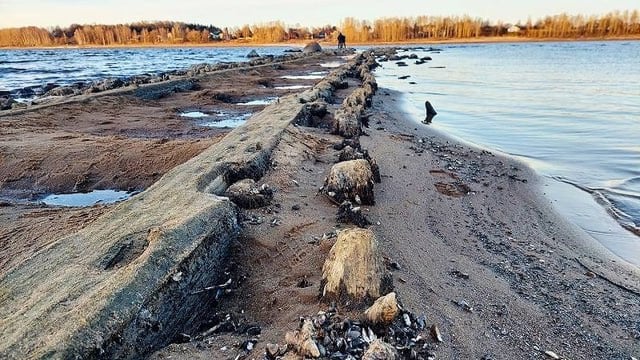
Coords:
570,110
25,69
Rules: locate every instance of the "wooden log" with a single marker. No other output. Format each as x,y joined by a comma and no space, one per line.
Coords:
354,271
350,180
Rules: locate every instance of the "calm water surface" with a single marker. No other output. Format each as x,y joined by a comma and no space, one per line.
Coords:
570,110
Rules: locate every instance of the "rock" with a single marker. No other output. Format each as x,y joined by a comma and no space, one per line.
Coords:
435,333
312,47
383,311
349,153
247,195
348,214
253,54
302,340
62,91
551,354
6,103
380,350
354,270
348,179
272,351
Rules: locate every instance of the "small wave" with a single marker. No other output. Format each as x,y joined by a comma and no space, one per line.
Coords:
622,206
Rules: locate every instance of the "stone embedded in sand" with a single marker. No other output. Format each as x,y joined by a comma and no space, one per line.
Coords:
435,333
349,153
354,270
380,350
383,310
272,351
349,214
312,47
348,180
247,195
302,340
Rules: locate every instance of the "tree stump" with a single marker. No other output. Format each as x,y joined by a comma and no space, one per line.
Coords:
350,180
354,270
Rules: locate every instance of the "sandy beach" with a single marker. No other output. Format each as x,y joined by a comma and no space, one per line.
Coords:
470,239
463,224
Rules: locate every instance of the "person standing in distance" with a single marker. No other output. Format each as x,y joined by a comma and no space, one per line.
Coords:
341,41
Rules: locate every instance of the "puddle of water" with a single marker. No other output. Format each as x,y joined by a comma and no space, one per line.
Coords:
318,73
86,199
233,122
194,114
331,64
292,87
266,101
302,77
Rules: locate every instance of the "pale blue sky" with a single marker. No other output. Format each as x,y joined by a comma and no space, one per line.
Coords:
48,13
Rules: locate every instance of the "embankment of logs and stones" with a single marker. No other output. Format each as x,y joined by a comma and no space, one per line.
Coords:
354,275
139,276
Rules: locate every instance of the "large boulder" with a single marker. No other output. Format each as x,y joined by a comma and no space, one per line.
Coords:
354,271
312,47
350,180
253,54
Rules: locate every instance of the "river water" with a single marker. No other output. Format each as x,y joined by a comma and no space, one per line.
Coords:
571,110
23,72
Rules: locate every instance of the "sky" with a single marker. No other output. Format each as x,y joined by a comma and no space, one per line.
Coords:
235,13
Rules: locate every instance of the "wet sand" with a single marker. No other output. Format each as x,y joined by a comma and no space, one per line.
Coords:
463,224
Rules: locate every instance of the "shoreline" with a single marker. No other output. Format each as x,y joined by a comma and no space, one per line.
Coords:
463,226
590,217
324,43
541,184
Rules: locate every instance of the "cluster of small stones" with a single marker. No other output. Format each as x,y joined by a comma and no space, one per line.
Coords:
390,333
391,54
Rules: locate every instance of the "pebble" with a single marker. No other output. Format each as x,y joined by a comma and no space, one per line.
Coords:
551,354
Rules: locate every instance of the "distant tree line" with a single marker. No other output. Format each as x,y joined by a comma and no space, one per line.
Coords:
165,32
563,26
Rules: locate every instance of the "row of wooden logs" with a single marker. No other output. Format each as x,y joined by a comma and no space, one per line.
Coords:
354,274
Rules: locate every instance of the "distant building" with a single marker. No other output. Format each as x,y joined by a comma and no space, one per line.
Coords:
513,29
